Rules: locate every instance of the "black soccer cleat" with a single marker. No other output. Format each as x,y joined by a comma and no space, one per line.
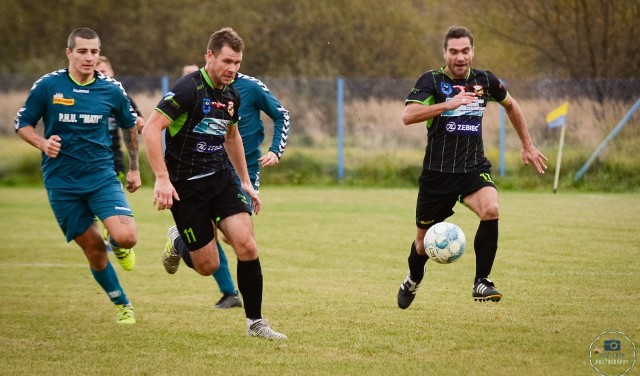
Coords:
485,290
407,292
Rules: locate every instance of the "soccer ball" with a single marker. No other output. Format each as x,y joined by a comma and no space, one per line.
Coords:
444,242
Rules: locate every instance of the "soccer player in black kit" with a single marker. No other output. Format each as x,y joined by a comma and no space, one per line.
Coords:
193,177
452,100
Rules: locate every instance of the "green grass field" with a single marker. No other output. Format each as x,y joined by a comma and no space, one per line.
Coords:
333,258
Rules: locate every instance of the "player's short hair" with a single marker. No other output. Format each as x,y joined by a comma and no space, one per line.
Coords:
225,37
457,32
81,32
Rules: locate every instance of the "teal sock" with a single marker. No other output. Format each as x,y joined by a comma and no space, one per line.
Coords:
108,280
113,242
223,275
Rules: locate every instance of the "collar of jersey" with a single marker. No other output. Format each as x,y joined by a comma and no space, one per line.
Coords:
445,73
208,80
79,84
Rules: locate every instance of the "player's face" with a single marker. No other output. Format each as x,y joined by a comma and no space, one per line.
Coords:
83,58
458,56
223,66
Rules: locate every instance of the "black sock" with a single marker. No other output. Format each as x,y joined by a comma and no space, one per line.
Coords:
250,286
416,264
486,246
183,251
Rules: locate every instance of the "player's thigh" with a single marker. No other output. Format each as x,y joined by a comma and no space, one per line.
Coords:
435,200
238,229
192,214
109,203
483,202
206,258
254,177
71,211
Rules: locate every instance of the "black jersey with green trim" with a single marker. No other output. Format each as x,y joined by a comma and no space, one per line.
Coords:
200,116
454,141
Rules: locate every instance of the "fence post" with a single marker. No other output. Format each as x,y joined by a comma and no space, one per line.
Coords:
164,83
502,142
340,122
610,137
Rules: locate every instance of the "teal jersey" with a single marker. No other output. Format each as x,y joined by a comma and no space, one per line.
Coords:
79,114
256,97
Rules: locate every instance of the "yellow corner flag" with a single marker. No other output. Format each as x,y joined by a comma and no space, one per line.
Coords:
558,117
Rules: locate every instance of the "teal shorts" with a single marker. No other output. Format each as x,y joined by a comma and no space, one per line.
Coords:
75,210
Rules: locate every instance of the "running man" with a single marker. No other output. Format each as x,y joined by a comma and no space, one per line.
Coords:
77,160
194,181
452,100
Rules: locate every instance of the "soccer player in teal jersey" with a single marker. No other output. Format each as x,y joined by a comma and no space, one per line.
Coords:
451,100
256,98
77,161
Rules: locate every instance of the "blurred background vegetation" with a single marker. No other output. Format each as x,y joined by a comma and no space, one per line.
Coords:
548,52
351,38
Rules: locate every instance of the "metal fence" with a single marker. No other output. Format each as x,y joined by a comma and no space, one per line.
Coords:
373,108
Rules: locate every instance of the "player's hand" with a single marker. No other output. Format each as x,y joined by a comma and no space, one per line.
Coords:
133,180
269,159
52,146
164,194
256,204
533,155
462,98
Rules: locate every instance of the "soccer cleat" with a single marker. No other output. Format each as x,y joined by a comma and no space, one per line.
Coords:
485,290
261,329
407,292
228,301
125,314
170,256
126,257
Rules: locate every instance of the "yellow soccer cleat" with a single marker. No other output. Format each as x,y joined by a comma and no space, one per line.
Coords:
125,314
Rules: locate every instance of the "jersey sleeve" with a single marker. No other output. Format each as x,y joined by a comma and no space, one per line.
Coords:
176,102
34,107
125,115
497,91
423,91
271,106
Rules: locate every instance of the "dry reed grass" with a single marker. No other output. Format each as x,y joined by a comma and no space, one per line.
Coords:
375,124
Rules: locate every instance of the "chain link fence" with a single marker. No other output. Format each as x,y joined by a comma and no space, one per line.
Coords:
373,109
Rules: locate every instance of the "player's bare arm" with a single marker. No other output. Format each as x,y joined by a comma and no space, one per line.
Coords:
130,138
163,191
49,146
530,154
418,113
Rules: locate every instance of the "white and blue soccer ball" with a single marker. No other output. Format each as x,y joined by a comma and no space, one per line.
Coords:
444,243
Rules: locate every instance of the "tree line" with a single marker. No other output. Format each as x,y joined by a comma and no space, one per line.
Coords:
351,38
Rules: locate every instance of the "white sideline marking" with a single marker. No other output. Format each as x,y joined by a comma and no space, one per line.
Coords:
40,265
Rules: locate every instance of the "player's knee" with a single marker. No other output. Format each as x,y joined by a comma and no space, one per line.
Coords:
246,250
490,212
126,240
207,268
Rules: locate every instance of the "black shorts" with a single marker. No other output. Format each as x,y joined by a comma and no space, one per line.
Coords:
439,191
205,202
